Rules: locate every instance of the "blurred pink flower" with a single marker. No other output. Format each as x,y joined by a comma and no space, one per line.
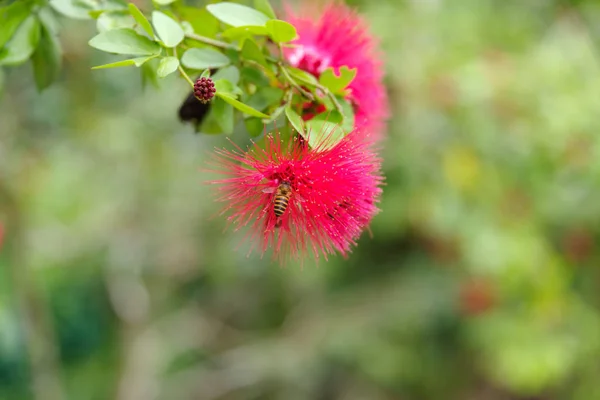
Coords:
334,35
333,194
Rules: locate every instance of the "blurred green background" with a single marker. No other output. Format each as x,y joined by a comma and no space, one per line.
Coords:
481,280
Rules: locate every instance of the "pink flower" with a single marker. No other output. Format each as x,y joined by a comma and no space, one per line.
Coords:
333,194
333,36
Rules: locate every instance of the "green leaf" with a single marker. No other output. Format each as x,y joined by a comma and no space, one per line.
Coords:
278,111
251,51
205,73
114,20
204,58
302,76
46,59
240,32
223,114
72,8
323,134
348,111
254,126
231,73
148,73
241,106
295,120
281,31
265,7
48,18
167,66
265,97
124,41
224,86
333,116
164,2
237,14
137,62
203,22
141,19
168,30
337,84
254,76
10,19
23,43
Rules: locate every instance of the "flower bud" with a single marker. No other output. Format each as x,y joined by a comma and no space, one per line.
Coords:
204,89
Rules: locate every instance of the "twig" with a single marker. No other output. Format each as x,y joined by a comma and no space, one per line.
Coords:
182,71
295,85
210,41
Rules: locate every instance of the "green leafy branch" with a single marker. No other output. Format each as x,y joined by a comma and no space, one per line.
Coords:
242,45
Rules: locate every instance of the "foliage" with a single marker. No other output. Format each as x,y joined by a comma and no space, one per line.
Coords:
248,40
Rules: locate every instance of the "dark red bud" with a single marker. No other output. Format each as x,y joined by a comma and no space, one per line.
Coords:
204,89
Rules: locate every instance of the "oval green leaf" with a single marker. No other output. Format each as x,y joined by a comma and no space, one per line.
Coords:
237,33
231,73
265,7
22,45
241,106
124,41
114,20
167,29
295,120
46,59
137,62
237,14
224,86
223,114
10,18
204,58
141,19
72,9
281,31
203,22
167,66
251,51
323,135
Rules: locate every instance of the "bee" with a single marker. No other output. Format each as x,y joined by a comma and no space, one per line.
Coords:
281,200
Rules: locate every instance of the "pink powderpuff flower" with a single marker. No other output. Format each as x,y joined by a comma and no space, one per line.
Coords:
332,194
334,35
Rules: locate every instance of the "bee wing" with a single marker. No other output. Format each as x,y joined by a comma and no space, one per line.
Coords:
300,198
269,190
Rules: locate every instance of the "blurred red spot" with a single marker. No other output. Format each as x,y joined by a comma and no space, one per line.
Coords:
476,297
578,245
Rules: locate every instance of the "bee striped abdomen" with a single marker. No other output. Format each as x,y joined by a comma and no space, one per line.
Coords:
281,204
282,199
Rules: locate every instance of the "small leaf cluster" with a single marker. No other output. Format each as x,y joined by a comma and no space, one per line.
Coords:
240,47
28,32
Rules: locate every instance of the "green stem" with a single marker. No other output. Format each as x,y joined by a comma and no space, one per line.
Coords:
335,102
182,71
210,41
294,84
185,76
